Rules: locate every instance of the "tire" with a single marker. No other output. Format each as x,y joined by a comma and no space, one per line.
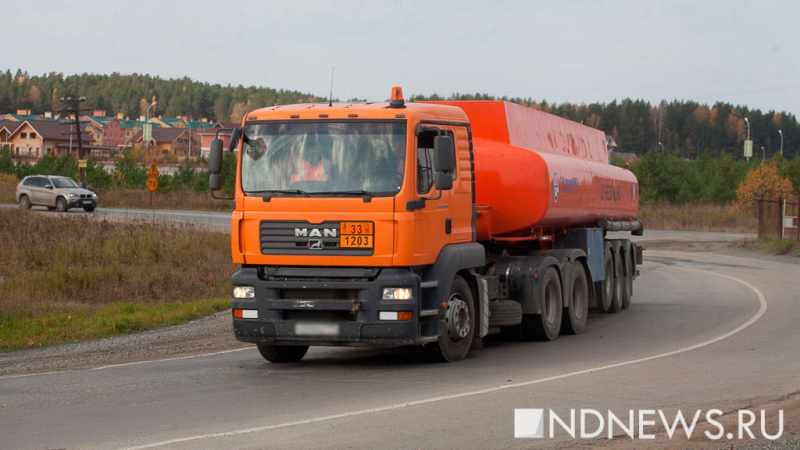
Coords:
627,283
24,202
546,326
51,208
574,319
605,293
61,205
619,283
459,328
282,353
88,208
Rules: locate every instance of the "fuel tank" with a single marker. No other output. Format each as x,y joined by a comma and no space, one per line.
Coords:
534,170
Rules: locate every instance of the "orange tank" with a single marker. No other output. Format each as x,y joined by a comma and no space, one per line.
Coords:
536,173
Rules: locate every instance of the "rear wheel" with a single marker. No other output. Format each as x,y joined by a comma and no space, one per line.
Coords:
24,202
574,320
619,284
456,338
605,295
61,205
627,288
282,353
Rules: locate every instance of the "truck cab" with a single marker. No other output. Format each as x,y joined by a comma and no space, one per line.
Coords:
354,225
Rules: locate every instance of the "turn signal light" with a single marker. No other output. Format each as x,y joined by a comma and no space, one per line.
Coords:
396,315
245,313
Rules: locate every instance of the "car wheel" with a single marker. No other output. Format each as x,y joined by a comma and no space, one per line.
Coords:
61,205
456,338
88,208
24,202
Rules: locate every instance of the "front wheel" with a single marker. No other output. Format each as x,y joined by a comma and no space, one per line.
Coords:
456,338
282,353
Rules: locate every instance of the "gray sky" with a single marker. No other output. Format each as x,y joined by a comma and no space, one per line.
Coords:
577,51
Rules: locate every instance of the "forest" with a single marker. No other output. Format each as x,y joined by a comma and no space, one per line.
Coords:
687,129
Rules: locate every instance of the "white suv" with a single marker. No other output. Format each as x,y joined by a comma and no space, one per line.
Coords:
54,192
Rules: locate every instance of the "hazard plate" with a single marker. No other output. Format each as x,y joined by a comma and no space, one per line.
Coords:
316,329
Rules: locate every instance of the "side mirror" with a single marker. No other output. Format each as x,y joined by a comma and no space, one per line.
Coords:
215,156
215,182
49,186
443,154
443,181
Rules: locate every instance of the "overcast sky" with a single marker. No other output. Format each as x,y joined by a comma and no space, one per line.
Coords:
576,51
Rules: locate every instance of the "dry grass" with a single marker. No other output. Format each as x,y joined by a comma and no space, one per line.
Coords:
773,246
8,187
185,200
67,278
720,218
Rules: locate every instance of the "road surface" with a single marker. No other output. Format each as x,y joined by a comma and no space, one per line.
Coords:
704,331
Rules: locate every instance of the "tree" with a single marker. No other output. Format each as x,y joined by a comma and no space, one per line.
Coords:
763,181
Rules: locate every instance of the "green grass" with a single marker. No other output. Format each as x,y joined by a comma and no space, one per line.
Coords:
773,246
67,278
31,326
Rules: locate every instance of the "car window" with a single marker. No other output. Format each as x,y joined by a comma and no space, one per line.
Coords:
64,183
44,182
31,181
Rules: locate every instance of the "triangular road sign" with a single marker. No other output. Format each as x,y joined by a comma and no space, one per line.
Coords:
153,172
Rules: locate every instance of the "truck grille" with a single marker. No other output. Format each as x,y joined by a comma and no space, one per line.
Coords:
280,237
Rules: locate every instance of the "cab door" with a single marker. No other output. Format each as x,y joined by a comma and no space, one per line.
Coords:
433,225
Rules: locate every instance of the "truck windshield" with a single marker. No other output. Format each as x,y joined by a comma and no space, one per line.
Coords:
330,158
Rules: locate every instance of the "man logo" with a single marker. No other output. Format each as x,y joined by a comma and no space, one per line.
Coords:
315,244
529,423
315,232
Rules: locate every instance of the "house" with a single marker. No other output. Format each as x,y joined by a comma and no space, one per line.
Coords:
177,141
7,128
206,136
168,122
34,138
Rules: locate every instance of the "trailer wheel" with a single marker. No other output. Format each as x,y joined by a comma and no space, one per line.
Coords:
574,319
619,284
547,325
456,338
605,295
627,288
282,353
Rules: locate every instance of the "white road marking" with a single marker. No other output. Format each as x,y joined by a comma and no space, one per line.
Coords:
761,310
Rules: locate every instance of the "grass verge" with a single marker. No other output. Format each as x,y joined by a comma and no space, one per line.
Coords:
68,278
773,246
719,218
182,200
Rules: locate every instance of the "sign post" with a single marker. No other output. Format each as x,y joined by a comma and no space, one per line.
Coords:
152,180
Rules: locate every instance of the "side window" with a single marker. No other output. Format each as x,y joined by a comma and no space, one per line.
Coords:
425,169
44,182
29,182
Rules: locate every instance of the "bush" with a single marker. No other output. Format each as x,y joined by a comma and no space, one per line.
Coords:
763,181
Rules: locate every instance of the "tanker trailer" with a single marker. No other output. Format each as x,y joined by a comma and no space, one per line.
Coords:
430,224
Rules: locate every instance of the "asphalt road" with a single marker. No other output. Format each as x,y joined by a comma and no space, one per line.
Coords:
704,331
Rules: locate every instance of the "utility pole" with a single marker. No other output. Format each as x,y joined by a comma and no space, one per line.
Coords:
781,133
71,107
747,121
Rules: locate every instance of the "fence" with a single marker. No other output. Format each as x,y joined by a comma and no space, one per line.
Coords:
779,217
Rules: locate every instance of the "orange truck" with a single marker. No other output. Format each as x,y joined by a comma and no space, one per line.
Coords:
431,224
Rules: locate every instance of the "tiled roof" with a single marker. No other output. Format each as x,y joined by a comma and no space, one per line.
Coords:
56,131
162,135
11,125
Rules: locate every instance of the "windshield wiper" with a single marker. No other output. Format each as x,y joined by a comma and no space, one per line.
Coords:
268,193
359,192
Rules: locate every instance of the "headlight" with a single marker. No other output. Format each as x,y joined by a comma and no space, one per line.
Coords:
244,292
397,294
94,195
72,195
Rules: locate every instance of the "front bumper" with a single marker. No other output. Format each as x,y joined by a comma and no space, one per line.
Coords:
81,202
353,304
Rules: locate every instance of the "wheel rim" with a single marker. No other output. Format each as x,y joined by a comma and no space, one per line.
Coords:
457,318
550,302
578,299
609,287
